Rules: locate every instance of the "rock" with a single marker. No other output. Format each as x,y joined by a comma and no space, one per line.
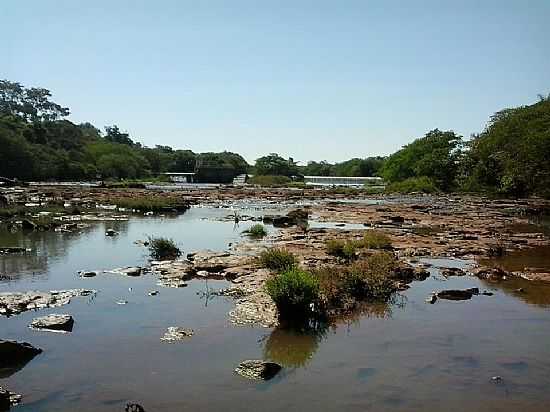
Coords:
176,334
87,273
216,262
131,271
121,302
448,272
496,379
407,273
397,219
28,225
8,399
432,299
111,232
487,293
134,407
15,355
53,322
154,293
292,218
13,303
258,369
458,294
12,250
5,403
490,274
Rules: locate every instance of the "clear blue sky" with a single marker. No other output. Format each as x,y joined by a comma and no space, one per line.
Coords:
311,79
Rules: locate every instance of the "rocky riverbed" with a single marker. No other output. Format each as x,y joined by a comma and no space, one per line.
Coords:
478,231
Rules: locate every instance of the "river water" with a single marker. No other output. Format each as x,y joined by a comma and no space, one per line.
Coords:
411,356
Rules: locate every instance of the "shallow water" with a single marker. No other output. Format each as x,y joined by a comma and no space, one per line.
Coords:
415,356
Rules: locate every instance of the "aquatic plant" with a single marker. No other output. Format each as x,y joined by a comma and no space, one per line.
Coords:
161,248
374,239
294,292
277,259
257,231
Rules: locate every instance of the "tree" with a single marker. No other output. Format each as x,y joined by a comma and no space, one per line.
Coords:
31,105
114,135
273,164
511,155
436,156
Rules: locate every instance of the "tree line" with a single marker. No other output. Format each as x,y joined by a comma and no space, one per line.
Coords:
509,157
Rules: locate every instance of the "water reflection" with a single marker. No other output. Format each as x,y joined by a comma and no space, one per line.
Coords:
536,257
533,293
292,346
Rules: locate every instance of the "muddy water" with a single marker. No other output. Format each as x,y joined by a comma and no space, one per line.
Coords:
411,357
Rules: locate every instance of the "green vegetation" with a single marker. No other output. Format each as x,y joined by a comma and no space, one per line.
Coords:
257,231
508,158
38,144
150,203
294,291
161,248
374,239
345,249
277,259
269,180
434,156
422,184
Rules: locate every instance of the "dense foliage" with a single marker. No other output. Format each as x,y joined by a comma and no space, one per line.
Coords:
38,144
511,156
435,156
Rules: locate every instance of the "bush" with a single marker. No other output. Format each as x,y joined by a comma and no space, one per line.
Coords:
269,180
345,249
374,239
294,292
413,184
342,288
257,231
161,248
277,259
371,279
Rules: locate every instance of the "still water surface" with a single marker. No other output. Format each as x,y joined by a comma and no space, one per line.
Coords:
412,357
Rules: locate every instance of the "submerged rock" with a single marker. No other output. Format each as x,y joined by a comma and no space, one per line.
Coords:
54,322
134,407
258,369
176,334
13,303
15,355
111,232
458,294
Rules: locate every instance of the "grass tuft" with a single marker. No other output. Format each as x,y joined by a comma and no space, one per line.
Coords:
257,231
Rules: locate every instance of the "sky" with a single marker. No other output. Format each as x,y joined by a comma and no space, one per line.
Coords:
315,80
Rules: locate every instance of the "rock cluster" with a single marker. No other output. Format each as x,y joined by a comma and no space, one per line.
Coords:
13,303
177,334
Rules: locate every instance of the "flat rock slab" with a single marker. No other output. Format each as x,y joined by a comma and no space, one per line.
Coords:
53,322
14,303
258,369
177,334
458,294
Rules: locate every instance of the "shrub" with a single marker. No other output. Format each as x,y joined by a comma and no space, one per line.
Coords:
277,259
374,239
345,249
294,292
371,279
413,184
162,248
257,231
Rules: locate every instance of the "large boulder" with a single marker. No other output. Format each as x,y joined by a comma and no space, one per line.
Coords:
292,218
258,369
15,355
53,322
